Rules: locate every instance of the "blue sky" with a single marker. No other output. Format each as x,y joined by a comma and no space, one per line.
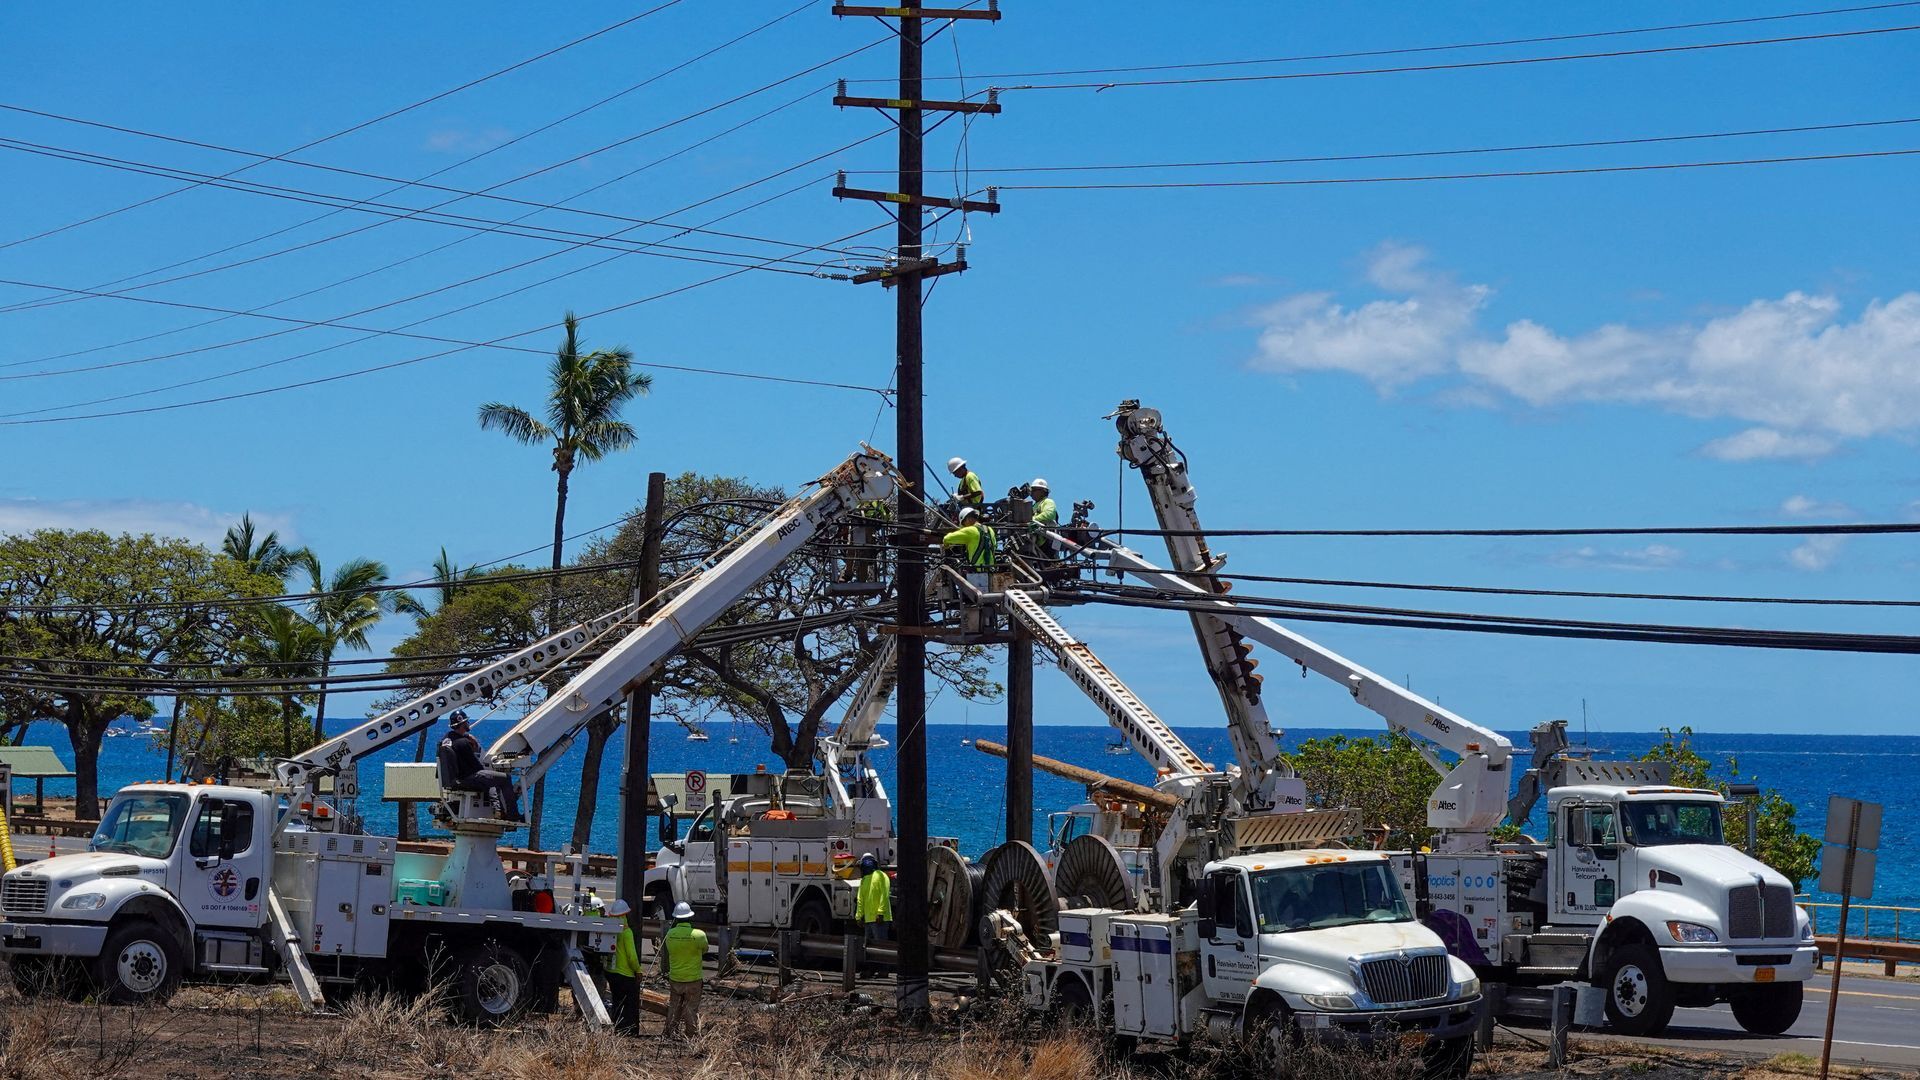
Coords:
1728,345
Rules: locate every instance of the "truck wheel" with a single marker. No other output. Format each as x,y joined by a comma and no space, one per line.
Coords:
1639,997
1270,1031
491,984
1072,1005
141,963
1449,1059
1767,1010
812,916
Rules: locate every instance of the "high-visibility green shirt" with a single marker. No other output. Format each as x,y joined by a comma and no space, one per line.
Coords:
971,493
1045,514
977,541
685,952
876,898
626,958
877,510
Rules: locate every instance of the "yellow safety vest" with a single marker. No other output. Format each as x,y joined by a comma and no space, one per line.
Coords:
971,494
978,542
1045,513
686,952
876,898
626,958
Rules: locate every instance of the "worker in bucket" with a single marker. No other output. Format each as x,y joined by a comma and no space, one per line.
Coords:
874,907
683,956
970,492
623,972
975,539
463,768
1046,517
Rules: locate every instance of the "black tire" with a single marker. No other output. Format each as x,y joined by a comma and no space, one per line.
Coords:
658,904
812,916
1269,1031
1767,1010
492,984
1072,1003
1639,998
140,964
1449,1059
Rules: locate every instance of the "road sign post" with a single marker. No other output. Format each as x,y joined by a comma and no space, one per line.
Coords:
1848,870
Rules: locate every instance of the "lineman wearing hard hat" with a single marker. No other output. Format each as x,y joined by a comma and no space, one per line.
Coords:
623,969
874,902
1045,516
975,539
683,957
970,493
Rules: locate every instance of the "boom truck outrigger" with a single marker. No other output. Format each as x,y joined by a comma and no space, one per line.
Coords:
1633,890
209,881
1245,924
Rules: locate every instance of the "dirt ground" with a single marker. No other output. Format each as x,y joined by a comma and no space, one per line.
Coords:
248,1032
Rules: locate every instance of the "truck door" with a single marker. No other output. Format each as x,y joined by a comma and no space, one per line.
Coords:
223,868
697,860
1229,942
1588,877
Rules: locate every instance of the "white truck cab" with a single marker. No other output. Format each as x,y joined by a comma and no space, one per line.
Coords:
173,881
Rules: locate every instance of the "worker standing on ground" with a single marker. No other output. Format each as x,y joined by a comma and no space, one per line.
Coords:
623,972
975,539
463,768
683,957
970,492
875,902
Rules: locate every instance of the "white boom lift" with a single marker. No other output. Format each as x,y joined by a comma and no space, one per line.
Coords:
190,879
1635,892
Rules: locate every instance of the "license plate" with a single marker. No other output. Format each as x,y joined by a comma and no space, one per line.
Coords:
1764,974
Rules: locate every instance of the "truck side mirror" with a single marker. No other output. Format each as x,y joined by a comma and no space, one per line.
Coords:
1579,827
669,831
1209,924
229,830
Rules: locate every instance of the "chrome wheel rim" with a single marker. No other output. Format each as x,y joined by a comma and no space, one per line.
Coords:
497,988
1630,990
142,967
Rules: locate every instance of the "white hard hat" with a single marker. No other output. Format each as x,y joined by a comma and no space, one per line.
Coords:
618,908
683,910
1040,483
968,512
956,464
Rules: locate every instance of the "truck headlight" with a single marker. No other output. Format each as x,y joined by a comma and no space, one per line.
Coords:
1329,1002
1688,933
1806,932
1468,987
86,901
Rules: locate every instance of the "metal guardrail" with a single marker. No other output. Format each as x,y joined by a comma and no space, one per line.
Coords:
1904,922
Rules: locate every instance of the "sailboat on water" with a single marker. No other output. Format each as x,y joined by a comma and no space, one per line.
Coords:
697,735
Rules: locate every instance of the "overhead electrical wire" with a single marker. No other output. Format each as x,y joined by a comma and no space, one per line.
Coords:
1464,65
1802,529
362,125
1501,43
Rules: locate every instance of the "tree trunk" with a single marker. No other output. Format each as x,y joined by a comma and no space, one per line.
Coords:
409,820
562,465
286,726
599,730
320,709
536,803
85,734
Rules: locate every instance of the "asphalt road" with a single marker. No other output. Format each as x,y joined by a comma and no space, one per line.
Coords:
1878,1022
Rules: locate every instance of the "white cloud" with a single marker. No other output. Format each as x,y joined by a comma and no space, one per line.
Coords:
1650,557
1801,506
464,140
1796,365
1817,553
1766,444
183,519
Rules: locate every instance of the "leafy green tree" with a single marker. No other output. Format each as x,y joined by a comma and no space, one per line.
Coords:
1386,780
585,394
82,612
262,555
346,605
1777,842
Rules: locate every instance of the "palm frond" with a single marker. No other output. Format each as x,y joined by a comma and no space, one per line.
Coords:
515,421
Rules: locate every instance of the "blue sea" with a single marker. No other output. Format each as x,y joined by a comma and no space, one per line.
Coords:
967,794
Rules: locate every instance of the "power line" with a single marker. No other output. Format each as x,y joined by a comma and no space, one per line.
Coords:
1496,591
1591,170
437,172
356,127
1465,65
1663,530
1394,155
1413,49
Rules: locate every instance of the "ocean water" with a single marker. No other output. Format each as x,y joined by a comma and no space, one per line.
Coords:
967,791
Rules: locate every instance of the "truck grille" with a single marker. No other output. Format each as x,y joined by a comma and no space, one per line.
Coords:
1391,980
23,896
1755,911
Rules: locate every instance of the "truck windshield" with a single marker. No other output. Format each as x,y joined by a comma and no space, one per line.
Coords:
1317,897
141,824
1651,824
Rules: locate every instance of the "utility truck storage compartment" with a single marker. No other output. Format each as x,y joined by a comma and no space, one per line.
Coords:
338,890
1156,961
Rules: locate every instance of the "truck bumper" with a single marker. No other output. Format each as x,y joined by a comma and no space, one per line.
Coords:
52,939
1447,1020
1785,963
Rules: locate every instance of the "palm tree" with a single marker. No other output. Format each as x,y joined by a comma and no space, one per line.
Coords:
264,555
294,648
447,575
585,394
344,607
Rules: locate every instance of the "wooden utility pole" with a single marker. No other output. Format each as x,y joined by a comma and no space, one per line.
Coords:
1020,737
910,267
634,779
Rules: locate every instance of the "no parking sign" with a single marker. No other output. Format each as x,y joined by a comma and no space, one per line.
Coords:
696,784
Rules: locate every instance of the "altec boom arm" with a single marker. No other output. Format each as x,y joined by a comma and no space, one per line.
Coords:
1472,796
532,746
